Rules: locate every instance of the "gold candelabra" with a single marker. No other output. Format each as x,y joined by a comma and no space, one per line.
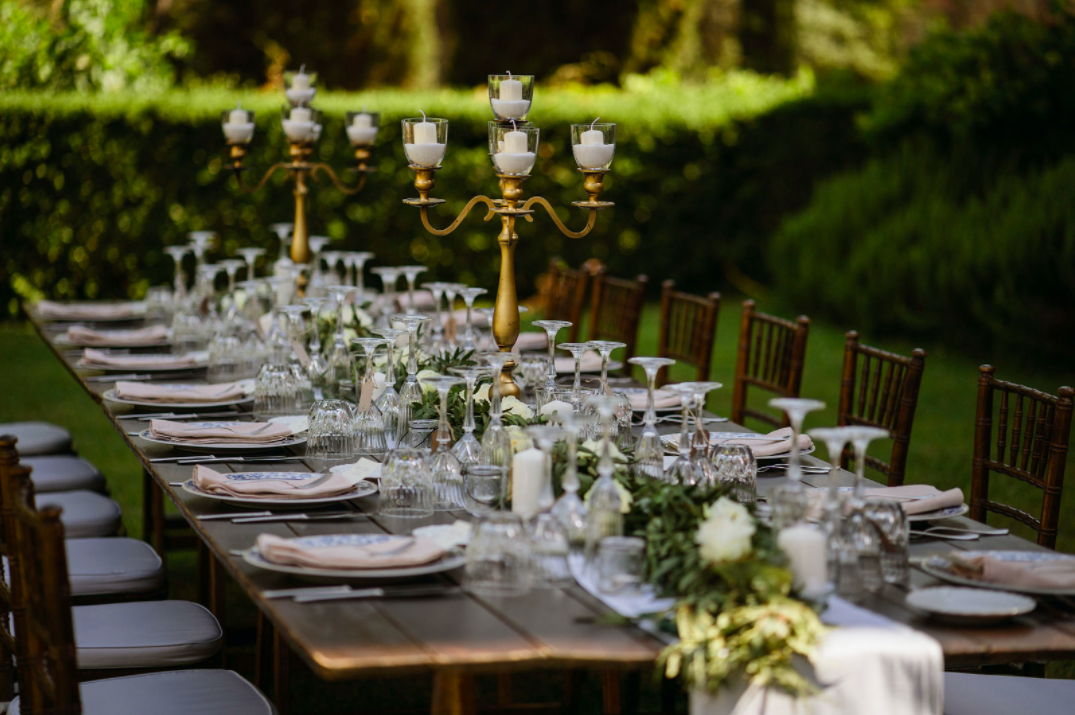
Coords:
513,168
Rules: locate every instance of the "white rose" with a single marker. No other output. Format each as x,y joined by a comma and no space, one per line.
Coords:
364,318
726,533
423,375
626,498
519,440
557,408
595,446
482,393
380,384
348,314
516,407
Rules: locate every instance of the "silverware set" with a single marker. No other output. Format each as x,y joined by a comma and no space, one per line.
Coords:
315,594
255,517
955,533
806,468
186,415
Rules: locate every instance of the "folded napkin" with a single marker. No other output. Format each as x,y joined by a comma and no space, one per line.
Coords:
661,399
270,485
82,335
149,392
100,358
476,318
423,300
919,498
219,432
591,362
1054,573
362,469
768,449
532,341
344,553
89,311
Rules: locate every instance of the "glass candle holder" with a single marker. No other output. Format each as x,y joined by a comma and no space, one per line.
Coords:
510,95
513,147
620,561
302,125
593,145
301,86
425,140
362,127
238,125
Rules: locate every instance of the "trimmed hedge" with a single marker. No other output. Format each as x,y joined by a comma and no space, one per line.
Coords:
94,185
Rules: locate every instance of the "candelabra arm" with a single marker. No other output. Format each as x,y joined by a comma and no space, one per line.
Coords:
344,188
257,187
590,222
458,219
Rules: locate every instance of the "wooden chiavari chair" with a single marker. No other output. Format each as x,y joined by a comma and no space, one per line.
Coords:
616,312
567,294
9,463
1032,433
771,355
880,389
688,330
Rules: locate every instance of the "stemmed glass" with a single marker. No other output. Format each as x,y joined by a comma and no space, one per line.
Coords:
552,327
355,261
496,442
275,387
412,391
488,313
180,280
623,412
369,424
860,534
577,350
231,267
436,345
388,402
835,438
789,501
684,470
549,540
467,449
332,261
339,357
569,509
411,273
649,454
283,233
389,275
447,472
250,256
700,440
200,241
469,294
317,368
296,329
606,504
316,284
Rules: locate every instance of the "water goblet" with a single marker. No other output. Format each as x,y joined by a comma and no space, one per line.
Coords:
469,337
552,327
369,423
330,435
789,501
283,233
569,509
437,344
179,280
332,260
411,273
859,533
684,470
338,357
447,472
467,449
200,242
498,557
487,313
649,452
835,438
484,487
412,391
250,256
496,442
388,403
317,367
355,263
577,350
299,358
389,276
451,325
275,387
407,484
225,355
700,446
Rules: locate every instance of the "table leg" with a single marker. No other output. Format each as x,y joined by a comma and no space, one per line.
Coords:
152,514
610,692
281,674
453,694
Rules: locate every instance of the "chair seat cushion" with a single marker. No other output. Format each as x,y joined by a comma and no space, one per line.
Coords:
85,514
63,473
972,694
146,634
113,565
178,692
36,438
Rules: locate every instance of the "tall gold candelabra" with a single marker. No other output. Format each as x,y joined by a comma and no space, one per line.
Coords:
513,169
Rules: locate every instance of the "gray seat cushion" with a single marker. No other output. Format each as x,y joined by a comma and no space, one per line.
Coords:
179,692
147,634
113,565
36,438
63,473
972,694
85,514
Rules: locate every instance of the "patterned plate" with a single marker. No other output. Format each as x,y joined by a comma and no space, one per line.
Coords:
449,561
110,395
292,441
362,489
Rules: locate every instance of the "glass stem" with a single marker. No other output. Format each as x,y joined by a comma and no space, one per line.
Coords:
684,446
604,373
860,469
444,432
360,278
468,421
651,405
412,359
494,396
794,469
340,339
576,388
469,331
571,469
550,371
390,368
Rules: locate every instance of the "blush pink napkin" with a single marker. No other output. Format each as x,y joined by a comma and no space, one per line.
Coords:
1057,573
227,433
661,399
81,335
591,362
88,311
213,482
290,552
919,498
476,318
149,392
91,357
532,341
768,449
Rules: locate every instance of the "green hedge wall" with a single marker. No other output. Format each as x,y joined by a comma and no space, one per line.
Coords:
94,185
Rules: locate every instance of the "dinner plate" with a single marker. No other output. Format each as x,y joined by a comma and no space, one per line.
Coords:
139,313
110,395
61,341
201,361
613,365
940,567
946,513
629,391
451,560
292,441
671,446
969,606
362,489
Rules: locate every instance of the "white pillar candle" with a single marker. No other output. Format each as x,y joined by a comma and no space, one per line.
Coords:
512,157
591,152
807,551
425,133
361,132
593,136
511,90
515,142
363,120
301,114
527,481
238,115
424,151
300,80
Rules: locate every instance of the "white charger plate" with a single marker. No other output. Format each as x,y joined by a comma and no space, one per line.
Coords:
671,446
451,560
969,606
292,441
937,566
362,489
201,361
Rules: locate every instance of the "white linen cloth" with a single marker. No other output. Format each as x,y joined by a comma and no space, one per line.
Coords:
89,310
81,335
219,432
919,498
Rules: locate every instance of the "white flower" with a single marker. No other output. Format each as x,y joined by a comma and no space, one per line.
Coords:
595,446
626,498
516,407
726,533
364,318
557,408
423,375
380,384
482,393
519,440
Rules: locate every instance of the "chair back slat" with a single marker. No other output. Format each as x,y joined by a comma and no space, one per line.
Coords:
616,311
687,331
1031,445
566,294
9,614
880,389
772,352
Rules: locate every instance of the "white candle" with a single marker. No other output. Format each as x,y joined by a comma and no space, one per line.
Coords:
424,151
528,478
361,132
238,115
591,152
301,114
807,552
363,120
515,142
512,157
511,90
300,80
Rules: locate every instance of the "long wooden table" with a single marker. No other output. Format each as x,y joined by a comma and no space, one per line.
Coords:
466,634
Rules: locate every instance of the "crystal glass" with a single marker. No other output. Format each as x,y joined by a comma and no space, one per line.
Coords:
388,402
407,484
577,350
296,329
317,282
469,338
510,95
467,449
419,434
835,438
684,470
275,387
451,290
231,267
411,273
700,446
551,327
389,276
531,372
620,560
424,141
447,471
179,280
362,127
283,232
190,331
734,466
250,256
789,501
498,557
369,423
338,357
317,367
606,505
496,442
490,339
860,535
201,242
549,548
545,438
330,437
332,261
569,509
160,304
226,361
649,452
593,145
437,344
484,487
356,262
513,147
888,516
412,391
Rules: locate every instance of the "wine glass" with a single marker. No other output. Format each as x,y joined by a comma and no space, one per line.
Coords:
469,338
388,403
496,442
552,327
201,241
179,280
369,423
355,261
488,313
411,273
789,501
623,412
649,453
860,533
283,233
275,387
606,505
296,330
412,391
467,449
569,509
389,275
338,360
684,470
250,255
437,345
700,441
317,368
447,471
577,350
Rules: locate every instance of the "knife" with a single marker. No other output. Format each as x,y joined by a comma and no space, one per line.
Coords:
299,517
416,592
